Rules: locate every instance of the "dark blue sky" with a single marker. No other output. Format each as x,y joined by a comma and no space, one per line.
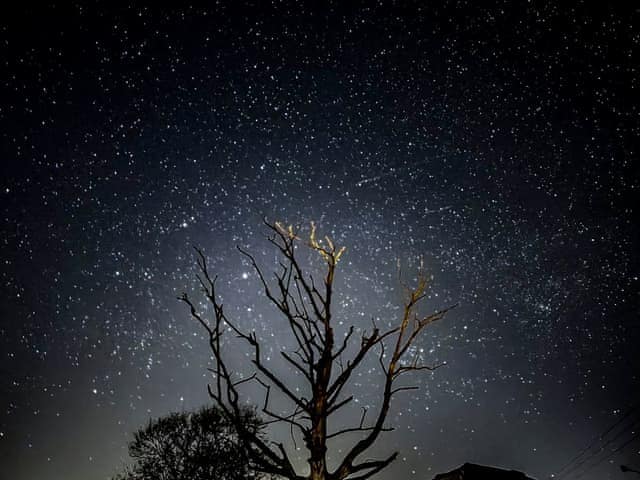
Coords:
498,143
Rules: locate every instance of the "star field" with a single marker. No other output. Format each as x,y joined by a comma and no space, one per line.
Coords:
499,144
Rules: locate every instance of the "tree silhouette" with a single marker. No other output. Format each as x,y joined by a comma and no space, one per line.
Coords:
202,445
319,357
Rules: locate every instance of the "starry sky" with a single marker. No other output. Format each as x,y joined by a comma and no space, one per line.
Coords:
498,143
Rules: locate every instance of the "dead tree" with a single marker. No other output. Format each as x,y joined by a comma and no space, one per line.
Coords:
307,307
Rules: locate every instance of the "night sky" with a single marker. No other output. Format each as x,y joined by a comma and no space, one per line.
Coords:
499,144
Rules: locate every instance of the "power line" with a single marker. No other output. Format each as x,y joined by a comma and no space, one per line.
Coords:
561,473
602,447
611,454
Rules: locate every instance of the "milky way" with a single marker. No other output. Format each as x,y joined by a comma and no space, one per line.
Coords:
497,144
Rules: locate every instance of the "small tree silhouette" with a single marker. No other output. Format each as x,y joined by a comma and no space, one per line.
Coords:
198,445
307,307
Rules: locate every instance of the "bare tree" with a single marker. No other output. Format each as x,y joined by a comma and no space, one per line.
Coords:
307,307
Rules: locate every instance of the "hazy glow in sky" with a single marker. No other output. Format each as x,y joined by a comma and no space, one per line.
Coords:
500,144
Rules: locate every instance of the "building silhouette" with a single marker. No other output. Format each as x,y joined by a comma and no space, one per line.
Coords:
472,471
